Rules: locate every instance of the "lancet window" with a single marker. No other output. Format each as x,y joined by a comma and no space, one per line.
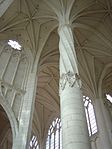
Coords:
54,140
90,116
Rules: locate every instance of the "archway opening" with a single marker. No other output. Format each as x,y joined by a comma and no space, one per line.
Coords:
6,139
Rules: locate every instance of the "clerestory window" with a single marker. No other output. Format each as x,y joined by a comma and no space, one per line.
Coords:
34,143
14,44
90,116
109,97
54,140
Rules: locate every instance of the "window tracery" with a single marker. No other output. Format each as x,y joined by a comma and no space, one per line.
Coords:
34,144
54,140
109,98
108,104
90,116
14,44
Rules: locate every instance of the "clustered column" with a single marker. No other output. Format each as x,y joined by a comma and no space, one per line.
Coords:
74,125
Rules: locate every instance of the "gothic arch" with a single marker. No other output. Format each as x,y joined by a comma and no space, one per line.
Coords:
10,115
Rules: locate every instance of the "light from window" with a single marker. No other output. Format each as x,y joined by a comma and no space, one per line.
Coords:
14,44
109,97
90,116
54,140
34,143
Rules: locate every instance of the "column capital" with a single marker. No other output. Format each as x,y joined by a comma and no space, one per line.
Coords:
71,79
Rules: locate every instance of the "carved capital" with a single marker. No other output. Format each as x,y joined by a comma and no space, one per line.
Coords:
71,79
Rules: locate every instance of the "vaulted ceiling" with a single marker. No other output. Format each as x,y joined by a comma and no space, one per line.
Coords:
34,24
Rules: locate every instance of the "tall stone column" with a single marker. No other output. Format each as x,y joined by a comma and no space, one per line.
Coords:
74,125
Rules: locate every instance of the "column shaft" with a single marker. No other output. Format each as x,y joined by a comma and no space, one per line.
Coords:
25,124
103,131
74,125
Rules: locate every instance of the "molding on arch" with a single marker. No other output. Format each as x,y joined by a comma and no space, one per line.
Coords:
101,78
10,115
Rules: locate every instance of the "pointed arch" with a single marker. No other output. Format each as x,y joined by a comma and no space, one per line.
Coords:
10,115
54,137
